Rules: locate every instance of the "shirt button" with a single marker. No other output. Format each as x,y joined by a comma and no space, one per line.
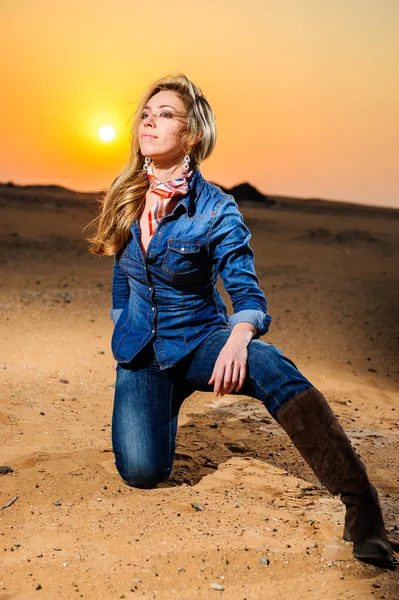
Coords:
152,330
152,308
150,288
182,248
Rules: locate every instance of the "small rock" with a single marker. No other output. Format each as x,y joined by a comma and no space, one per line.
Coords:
58,503
38,587
236,447
197,506
5,470
64,381
216,586
78,556
264,561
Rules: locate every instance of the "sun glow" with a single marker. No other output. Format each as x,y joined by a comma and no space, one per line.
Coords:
106,133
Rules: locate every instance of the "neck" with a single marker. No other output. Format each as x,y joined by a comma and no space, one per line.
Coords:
166,171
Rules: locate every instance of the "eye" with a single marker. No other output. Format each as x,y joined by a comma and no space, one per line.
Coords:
167,114
144,115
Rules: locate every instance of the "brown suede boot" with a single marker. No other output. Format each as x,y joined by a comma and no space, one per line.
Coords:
317,434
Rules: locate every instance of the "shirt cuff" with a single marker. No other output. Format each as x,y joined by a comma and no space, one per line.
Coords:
115,314
258,318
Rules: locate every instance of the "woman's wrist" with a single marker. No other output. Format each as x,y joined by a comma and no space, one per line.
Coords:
243,332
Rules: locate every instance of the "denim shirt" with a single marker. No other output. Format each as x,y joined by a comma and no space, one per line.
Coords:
169,296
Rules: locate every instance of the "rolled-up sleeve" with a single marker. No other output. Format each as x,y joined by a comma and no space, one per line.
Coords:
234,259
120,292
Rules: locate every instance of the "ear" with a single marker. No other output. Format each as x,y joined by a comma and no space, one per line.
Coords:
199,137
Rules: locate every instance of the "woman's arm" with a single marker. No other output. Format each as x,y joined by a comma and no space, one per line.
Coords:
234,260
120,292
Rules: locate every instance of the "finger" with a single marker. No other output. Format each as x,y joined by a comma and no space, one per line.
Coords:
235,377
219,379
212,379
227,377
243,374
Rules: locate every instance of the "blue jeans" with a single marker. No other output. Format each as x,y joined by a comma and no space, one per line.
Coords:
147,401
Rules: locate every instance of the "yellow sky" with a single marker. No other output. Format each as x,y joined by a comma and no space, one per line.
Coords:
305,92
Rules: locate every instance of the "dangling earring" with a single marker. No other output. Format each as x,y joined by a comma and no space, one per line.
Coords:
145,167
186,164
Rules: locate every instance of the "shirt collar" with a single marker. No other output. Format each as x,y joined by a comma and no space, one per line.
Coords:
196,183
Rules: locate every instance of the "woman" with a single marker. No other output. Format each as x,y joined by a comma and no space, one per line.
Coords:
171,233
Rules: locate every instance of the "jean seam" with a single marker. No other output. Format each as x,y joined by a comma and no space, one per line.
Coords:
170,458
267,394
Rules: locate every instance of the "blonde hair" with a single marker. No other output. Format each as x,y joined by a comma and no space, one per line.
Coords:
125,198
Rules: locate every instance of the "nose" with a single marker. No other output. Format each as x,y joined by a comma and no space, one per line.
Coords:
149,120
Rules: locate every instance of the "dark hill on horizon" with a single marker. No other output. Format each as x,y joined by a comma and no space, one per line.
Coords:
58,195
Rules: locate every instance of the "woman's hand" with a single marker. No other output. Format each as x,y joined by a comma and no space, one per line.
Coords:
230,367
114,364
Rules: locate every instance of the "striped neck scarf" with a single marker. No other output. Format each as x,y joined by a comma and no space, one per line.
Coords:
165,190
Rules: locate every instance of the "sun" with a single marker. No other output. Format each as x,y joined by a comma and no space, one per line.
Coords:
106,133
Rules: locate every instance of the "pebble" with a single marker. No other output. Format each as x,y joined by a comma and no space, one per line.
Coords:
5,470
264,561
197,506
216,586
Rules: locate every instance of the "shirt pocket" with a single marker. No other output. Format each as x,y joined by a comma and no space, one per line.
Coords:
183,259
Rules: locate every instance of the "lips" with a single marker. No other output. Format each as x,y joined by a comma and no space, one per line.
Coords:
148,135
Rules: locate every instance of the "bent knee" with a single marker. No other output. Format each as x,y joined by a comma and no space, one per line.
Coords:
143,478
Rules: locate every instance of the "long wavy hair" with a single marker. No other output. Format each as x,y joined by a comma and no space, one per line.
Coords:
125,199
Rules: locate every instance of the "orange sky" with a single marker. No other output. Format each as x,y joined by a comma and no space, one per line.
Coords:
305,92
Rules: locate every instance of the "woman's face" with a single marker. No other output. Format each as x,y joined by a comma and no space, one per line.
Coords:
163,121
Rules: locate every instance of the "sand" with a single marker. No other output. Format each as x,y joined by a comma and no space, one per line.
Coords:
263,528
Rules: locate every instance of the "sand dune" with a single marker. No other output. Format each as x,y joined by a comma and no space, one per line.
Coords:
262,529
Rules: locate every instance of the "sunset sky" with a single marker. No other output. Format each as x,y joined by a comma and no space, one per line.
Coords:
305,92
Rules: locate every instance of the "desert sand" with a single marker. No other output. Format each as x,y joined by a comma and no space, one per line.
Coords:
242,516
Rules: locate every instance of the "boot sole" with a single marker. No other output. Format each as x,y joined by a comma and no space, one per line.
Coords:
387,562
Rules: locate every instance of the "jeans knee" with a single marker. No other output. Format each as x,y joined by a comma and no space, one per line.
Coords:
143,478
143,483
